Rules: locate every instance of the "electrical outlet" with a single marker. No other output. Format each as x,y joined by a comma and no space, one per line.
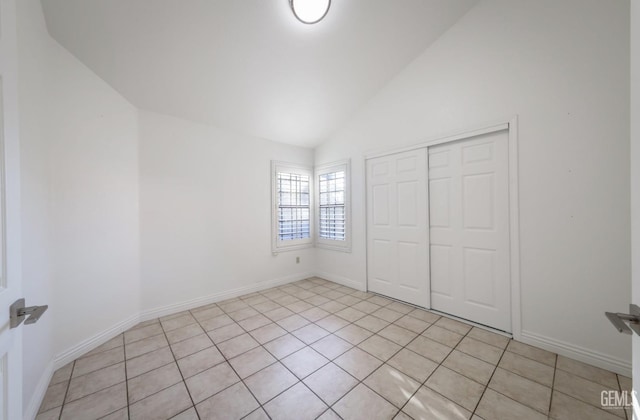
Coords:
297,260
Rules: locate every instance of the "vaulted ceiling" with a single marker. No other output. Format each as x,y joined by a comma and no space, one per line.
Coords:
249,65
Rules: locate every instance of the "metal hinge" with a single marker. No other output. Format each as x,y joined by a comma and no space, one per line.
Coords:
633,318
18,313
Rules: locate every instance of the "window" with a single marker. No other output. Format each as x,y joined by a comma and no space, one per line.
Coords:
292,211
333,206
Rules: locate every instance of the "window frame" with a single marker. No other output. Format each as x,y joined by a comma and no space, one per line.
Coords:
333,244
278,245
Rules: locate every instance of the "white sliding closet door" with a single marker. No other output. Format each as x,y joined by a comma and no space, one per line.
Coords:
469,229
397,227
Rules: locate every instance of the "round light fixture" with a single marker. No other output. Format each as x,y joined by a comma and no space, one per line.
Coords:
310,11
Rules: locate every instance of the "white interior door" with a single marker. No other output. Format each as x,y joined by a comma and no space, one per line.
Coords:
469,229
397,229
10,262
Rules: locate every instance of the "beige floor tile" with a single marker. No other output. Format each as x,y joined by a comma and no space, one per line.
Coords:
232,305
99,361
353,334
54,397
53,414
563,407
310,333
315,314
330,383
427,404
392,384
254,322
379,347
95,381
625,383
164,404
270,382
183,333
191,345
299,306
495,406
317,300
429,349
200,361
216,322
252,361
522,390
459,389
286,300
358,363
397,334
331,346
489,337
117,341
207,313
267,333
258,414
149,383
387,314
469,366
143,346
402,416
400,307
364,404
531,352
480,350
379,300
225,333
287,406
284,346
412,324
211,381
333,306
145,323
97,405
61,375
238,345
148,362
175,315
332,323
453,325
266,306
425,316
443,336
189,414
366,307
582,389
412,364
122,414
327,415
350,314
529,368
589,372
293,322
277,314
304,362
144,332
371,323
178,322
348,300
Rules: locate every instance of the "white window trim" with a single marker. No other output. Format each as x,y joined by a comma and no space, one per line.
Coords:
276,244
334,245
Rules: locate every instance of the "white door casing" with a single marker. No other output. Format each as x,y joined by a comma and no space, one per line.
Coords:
10,247
397,227
469,229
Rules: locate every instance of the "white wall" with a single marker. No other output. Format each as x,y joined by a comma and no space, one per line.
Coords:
205,211
635,183
563,68
80,198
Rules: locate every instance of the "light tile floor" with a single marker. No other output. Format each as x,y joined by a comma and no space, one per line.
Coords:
316,349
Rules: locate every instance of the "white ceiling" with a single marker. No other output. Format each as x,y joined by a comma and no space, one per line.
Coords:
249,65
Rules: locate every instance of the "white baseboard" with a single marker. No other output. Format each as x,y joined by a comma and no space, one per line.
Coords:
594,358
38,394
341,280
218,297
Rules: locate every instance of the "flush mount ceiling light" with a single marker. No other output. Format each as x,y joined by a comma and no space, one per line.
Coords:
310,11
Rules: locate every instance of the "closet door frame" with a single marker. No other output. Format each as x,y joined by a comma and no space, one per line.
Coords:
511,125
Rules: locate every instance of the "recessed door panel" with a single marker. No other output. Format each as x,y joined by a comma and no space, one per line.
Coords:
397,227
469,229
